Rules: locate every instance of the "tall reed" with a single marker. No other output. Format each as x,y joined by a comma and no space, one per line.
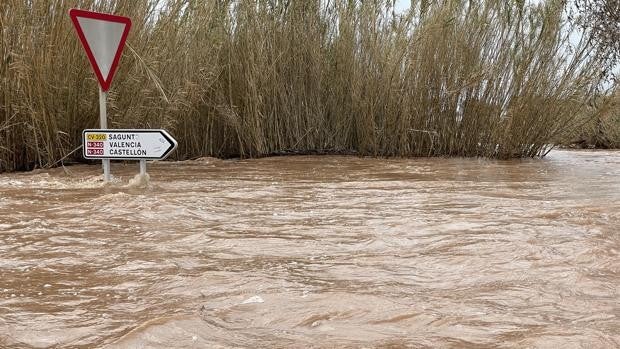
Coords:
602,130
257,77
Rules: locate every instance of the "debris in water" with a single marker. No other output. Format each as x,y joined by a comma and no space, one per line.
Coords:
253,299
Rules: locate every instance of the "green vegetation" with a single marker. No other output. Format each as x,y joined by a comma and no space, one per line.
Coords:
256,77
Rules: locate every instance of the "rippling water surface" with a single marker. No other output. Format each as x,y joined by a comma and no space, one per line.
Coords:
321,252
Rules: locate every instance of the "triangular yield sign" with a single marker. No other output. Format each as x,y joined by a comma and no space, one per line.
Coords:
103,37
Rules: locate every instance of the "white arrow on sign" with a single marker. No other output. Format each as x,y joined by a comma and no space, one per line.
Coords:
127,144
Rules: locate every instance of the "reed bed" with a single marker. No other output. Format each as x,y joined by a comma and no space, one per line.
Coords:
256,77
601,130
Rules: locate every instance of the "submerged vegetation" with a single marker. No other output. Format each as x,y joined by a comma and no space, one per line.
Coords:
255,77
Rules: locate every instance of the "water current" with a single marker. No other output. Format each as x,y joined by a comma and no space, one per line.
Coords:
315,252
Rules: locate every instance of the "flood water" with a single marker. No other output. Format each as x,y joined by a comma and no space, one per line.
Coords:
315,252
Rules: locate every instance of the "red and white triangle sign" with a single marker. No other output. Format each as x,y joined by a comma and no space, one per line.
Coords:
103,37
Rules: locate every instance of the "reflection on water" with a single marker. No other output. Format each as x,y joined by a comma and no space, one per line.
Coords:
315,252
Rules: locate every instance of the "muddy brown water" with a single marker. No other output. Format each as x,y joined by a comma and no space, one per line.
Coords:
315,252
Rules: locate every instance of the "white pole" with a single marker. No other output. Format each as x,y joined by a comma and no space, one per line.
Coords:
103,123
142,167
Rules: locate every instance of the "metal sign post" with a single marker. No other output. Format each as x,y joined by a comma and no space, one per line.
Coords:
103,37
142,167
103,123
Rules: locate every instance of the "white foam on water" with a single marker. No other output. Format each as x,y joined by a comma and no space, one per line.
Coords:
253,299
50,182
139,181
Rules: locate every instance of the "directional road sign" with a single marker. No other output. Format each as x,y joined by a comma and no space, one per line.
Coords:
103,37
127,144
